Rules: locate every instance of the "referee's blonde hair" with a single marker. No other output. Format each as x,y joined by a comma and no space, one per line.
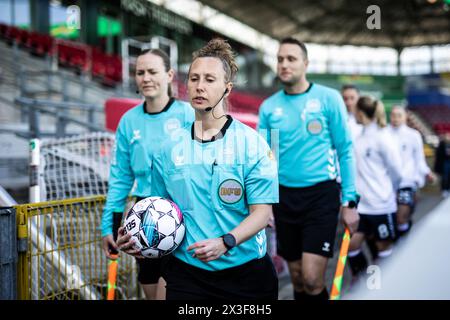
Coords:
221,49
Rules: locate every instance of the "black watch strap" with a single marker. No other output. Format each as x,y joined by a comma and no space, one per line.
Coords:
229,241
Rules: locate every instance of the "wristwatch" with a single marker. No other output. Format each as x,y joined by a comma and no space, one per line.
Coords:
229,241
350,204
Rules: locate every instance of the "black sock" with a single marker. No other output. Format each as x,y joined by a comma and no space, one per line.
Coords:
372,248
303,296
358,263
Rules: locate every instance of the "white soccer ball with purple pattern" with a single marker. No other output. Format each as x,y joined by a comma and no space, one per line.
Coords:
157,226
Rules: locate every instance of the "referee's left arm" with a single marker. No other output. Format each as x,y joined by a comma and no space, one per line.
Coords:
342,141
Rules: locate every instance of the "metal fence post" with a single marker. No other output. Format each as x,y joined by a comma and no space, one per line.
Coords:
61,124
23,93
83,88
33,118
8,254
65,96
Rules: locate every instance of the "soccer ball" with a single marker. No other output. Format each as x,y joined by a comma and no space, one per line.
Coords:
157,226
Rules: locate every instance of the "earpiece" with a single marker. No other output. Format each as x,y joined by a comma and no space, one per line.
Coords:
223,95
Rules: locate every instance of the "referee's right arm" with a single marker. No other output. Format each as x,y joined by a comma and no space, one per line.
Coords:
121,179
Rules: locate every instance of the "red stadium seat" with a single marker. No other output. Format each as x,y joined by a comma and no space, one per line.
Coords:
249,119
44,45
113,74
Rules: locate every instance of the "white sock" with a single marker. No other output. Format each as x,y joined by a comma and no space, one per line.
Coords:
354,253
385,253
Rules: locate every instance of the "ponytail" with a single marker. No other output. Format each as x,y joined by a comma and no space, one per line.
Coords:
380,114
373,109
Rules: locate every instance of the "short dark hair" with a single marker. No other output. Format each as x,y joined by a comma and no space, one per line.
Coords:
292,40
349,86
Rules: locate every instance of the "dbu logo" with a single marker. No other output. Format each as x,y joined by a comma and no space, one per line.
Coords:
73,277
73,17
374,20
374,280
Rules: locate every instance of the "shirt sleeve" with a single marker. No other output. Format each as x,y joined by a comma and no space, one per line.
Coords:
121,179
263,125
342,141
261,176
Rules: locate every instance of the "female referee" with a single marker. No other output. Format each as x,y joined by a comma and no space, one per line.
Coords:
138,135
223,177
379,173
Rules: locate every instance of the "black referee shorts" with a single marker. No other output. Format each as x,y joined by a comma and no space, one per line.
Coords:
150,270
306,220
254,280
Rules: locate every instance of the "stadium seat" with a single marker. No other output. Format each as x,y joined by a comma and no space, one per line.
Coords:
98,64
113,74
44,45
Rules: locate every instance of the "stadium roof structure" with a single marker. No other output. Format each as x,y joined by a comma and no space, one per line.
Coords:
403,23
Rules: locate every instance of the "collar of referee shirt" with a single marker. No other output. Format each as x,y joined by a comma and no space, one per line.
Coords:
168,105
218,136
300,93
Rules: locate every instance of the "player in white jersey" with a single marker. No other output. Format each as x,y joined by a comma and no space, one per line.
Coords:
379,172
350,94
414,166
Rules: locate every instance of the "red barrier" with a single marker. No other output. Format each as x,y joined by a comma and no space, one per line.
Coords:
116,107
114,110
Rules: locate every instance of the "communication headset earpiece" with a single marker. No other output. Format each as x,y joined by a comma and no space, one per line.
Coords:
223,95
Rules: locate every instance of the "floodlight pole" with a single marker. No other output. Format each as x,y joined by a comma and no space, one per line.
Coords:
399,62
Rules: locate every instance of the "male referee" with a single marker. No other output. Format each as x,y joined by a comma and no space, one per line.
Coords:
310,122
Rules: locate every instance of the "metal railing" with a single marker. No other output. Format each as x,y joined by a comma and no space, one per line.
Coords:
61,111
60,255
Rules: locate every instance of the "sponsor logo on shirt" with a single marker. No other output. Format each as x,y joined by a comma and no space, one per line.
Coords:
172,124
179,160
136,136
230,191
312,105
278,111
